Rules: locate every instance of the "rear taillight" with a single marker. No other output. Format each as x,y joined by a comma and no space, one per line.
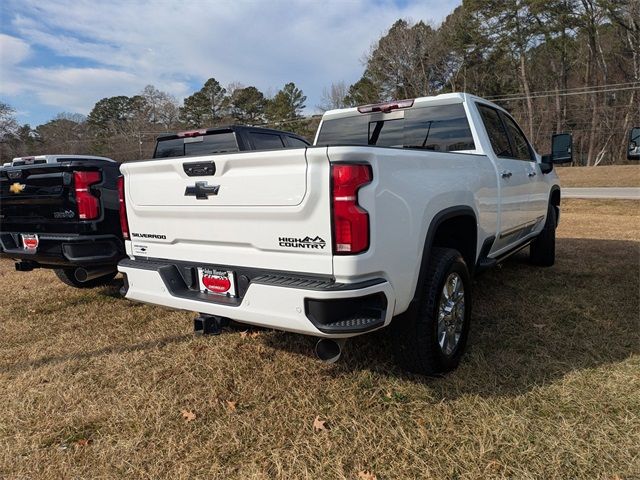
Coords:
350,221
88,204
124,224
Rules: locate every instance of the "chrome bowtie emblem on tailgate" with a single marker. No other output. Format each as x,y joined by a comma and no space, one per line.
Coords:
201,190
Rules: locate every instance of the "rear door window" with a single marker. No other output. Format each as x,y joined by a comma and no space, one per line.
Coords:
296,142
266,141
496,131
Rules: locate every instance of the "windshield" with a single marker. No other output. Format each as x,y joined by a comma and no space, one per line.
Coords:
440,128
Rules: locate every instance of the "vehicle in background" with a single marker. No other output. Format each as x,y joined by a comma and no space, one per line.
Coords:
228,139
386,217
62,212
633,150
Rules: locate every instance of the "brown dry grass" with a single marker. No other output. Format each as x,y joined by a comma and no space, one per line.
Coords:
600,176
92,386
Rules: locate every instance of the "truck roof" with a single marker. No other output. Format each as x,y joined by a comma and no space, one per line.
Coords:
39,159
226,128
442,99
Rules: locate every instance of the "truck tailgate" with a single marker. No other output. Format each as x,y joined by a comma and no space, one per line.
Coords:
261,209
33,197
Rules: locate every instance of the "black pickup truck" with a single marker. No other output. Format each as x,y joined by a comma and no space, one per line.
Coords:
63,211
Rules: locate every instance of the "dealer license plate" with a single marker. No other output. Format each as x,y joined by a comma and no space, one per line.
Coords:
217,282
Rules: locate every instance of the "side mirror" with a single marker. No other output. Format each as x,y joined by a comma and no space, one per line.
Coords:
561,152
562,148
633,151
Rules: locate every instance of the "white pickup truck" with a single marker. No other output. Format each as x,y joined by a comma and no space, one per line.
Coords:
386,216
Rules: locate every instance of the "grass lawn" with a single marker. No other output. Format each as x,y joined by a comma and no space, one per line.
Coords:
95,386
601,176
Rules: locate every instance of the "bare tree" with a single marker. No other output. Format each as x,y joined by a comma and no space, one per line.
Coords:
333,97
8,123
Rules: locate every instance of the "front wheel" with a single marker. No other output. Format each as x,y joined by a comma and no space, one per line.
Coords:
432,341
542,251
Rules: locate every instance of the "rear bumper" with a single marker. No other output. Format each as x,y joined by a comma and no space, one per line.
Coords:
56,250
306,305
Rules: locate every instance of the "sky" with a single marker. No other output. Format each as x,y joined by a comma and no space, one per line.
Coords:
65,55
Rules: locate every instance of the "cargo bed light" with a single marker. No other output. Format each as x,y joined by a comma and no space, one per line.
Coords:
350,221
88,204
386,107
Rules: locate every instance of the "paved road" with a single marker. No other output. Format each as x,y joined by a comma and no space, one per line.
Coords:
627,193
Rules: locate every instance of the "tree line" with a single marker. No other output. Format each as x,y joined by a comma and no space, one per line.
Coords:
125,128
556,65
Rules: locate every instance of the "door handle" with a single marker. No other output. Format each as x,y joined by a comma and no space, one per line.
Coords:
532,174
506,174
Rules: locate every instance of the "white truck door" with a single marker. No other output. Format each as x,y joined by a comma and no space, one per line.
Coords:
536,207
513,179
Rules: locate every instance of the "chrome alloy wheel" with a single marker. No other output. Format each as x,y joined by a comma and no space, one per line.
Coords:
451,313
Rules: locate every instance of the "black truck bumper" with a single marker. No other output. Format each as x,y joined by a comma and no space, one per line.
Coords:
58,251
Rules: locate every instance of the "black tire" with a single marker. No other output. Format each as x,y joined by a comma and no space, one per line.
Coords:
542,251
416,341
66,276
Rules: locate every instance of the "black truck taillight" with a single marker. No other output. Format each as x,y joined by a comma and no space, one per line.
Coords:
88,204
350,221
124,223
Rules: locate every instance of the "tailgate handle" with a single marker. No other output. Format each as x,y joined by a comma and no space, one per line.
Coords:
199,169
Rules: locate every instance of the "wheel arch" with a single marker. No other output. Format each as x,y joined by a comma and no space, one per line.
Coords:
442,224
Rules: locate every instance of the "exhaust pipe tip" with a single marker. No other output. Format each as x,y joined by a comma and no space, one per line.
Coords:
84,275
81,274
329,350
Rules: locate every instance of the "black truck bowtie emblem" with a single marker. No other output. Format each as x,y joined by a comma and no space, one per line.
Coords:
201,190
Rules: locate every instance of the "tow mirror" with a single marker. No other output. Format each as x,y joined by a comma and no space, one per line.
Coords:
633,151
561,152
562,148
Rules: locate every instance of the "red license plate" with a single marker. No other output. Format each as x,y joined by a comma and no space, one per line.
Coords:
30,242
217,282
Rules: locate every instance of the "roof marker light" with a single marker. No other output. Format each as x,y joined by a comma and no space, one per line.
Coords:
192,133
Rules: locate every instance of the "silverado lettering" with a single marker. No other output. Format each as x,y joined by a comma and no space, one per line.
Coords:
149,235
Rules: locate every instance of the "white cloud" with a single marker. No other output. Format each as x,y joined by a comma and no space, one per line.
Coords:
13,50
170,43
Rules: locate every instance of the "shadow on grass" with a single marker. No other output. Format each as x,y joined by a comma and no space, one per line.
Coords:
112,349
530,325
112,289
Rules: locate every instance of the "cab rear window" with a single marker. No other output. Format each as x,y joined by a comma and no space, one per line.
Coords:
210,144
440,128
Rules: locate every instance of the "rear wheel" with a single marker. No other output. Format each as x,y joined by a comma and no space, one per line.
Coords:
432,341
67,276
542,251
